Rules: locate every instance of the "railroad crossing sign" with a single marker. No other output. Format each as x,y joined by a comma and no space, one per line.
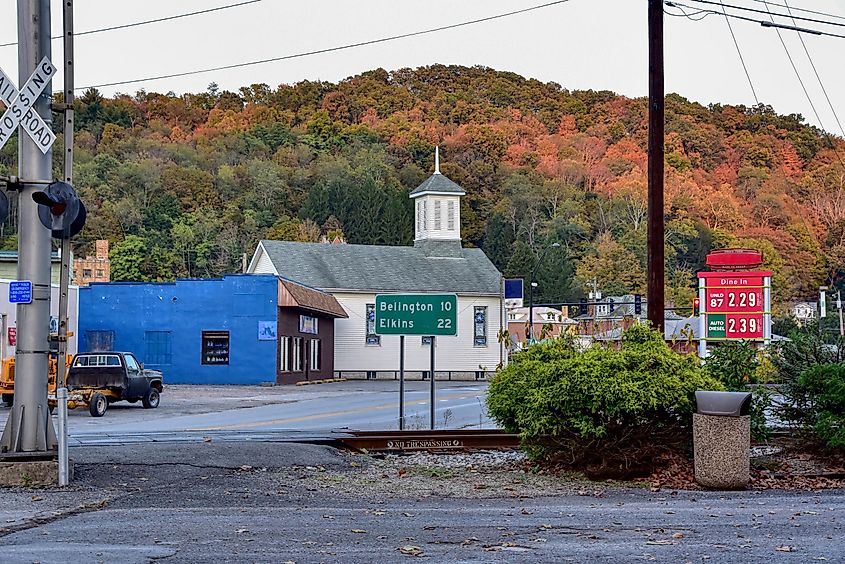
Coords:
19,109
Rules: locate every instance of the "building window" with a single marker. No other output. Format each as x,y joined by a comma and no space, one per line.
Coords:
315,354
158,347
308,324
480,325
284,354
297,354
86,273
450,215
372,338
215,347
100,273
437,215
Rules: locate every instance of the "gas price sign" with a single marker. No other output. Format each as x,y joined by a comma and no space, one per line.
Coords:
735,305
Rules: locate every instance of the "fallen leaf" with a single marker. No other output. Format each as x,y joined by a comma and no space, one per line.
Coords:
36,498
359,531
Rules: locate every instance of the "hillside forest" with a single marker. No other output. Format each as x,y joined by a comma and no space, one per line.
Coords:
183,186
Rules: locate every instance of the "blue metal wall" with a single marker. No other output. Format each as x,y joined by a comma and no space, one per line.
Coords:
186,308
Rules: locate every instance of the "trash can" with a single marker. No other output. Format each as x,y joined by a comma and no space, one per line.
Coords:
721,430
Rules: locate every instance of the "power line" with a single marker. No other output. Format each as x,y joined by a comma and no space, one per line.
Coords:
329,49
767,12
801,9
763,23
741,58
145,22
816,72
807,94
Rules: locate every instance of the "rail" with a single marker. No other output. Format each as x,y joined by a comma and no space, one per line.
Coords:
424,440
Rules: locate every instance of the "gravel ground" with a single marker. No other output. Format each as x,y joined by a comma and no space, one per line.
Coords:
479,475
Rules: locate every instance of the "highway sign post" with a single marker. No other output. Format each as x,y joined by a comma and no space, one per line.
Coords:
429,315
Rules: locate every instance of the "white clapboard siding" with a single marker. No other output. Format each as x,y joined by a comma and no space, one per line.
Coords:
262,263
455,354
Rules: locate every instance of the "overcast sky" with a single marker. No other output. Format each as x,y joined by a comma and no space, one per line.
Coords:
580,44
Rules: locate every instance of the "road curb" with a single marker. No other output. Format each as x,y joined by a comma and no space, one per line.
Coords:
324,381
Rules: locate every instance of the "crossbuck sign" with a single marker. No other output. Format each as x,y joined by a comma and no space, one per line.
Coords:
19,109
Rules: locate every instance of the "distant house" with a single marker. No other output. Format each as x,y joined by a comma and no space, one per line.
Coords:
9,265
804,312
548,323
437,263
95,268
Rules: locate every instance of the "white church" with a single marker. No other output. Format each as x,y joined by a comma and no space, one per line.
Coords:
437,263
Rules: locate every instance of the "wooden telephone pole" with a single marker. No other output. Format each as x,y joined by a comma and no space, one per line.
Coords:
655,265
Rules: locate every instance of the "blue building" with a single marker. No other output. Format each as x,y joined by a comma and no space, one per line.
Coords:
195,331
239,329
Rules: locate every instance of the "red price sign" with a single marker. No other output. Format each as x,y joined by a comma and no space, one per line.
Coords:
734,300
744,326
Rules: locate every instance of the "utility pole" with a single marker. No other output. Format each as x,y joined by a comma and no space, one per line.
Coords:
64,277
655,165
29,429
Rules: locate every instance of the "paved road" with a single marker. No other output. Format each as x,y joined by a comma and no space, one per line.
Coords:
195,503
243,411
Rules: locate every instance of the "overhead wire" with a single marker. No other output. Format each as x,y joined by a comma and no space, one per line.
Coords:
741,58
809,98
145,22
329,49
838,17
818,78
767,12
764,23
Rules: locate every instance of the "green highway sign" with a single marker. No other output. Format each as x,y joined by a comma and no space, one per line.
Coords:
716,326
416,314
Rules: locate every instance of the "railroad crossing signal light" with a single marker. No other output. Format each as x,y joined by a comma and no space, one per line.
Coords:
60,209
696,307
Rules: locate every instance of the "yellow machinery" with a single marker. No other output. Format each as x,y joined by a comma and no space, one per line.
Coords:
7,377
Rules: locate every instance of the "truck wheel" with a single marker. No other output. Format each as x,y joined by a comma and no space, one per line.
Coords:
98,405
9,399
151,398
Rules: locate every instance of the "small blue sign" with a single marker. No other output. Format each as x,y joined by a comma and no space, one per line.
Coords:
20,292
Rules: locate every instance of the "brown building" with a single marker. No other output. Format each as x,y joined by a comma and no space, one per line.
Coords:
93,269
306,333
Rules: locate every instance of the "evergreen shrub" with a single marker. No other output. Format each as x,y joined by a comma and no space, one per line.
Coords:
604,411
815,402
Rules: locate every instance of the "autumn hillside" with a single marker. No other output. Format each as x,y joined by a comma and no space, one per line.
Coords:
183,186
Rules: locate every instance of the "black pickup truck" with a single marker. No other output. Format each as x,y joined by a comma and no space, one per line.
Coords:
96,379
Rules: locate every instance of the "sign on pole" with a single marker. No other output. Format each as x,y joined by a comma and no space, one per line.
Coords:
19,104
20,292
416,314
735,306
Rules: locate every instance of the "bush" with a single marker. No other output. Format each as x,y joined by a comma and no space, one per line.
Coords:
607,412
738,364
815,402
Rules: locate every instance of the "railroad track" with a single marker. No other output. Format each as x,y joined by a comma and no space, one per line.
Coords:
417,440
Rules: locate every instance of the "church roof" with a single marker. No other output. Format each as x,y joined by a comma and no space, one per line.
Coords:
437,183
380,268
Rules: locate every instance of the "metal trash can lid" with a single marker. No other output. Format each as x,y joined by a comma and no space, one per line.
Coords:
728,404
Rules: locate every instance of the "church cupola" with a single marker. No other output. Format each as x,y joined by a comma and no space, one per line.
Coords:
437,207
